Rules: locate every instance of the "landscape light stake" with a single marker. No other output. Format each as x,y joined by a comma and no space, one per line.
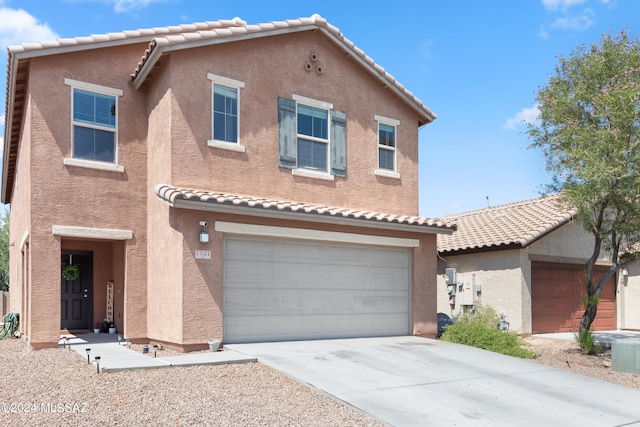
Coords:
88,350
97,359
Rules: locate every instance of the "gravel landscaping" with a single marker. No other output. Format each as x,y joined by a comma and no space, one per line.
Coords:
57,387
54,387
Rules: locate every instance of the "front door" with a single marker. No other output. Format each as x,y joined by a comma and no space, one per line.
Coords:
77,293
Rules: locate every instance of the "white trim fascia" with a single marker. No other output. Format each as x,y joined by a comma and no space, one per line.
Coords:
228,81
318,235
24,239
309,173
91,233
386,120
313,102
294,216
89,164
8,123
224,145
91,87
386,173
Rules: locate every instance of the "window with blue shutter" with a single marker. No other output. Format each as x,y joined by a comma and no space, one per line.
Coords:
94,126
311,137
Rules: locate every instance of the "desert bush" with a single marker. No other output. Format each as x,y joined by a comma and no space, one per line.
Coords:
480,330
588,345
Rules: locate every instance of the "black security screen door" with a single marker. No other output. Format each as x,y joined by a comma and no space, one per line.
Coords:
77,294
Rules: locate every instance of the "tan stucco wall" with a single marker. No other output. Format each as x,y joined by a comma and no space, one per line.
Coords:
163,128
628,298
568,243
199,291
501,278
19,220
49,193
505,276
280,72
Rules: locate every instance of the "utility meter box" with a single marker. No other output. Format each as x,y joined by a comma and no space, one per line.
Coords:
466,289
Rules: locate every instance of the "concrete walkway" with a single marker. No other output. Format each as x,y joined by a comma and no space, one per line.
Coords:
116,357
604,337
412,381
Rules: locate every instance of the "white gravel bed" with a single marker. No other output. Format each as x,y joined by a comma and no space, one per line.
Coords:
57,387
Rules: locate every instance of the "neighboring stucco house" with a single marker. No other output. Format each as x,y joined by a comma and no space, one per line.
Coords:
215,181
526,260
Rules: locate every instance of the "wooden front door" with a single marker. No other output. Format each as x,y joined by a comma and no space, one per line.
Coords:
77,295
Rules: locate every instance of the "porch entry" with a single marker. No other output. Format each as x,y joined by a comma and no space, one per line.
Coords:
76,293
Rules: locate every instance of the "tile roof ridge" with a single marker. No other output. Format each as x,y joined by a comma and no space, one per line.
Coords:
145,33
170,193
489,209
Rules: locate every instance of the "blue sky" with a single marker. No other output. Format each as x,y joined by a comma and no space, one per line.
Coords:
476,64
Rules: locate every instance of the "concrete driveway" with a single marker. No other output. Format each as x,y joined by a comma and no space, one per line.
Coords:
412,381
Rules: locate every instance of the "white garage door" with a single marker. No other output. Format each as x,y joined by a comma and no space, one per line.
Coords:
278,290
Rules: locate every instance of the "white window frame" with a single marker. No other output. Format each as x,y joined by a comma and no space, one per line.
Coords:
237,85
93,164
312,173
390,122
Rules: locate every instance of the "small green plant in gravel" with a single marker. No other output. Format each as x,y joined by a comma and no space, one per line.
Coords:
480,330
588,345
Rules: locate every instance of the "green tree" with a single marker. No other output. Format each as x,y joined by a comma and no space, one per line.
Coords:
4,252
589,131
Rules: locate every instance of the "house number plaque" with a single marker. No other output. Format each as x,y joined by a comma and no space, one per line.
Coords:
110,302
201,254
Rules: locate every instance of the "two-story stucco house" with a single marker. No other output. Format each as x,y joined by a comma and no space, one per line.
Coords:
215,181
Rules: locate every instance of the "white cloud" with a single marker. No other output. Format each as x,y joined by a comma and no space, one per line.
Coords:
524,116
18,26
426,47
576,23
554,5
123,6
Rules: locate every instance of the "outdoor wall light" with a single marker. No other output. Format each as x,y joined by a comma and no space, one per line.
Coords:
624,271
204,236
88,350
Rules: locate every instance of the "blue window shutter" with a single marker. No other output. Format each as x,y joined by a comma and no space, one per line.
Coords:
287,144
338,143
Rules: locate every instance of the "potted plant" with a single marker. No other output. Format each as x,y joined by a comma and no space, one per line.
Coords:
112,328
96,328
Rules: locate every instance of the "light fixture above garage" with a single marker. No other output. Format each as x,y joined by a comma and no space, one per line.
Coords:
204,236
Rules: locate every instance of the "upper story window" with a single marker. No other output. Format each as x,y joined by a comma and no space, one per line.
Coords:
312,138
226,113
387,158
94,126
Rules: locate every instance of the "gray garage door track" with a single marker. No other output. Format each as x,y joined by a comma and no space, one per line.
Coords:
413,381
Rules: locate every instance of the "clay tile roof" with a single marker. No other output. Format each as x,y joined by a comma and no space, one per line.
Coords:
260,206
512,225
241,28
144,34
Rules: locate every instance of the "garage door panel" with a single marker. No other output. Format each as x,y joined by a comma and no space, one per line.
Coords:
556,299
294,302
306,327
279,286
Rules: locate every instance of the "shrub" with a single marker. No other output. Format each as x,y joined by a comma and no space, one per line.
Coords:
588,345
480,330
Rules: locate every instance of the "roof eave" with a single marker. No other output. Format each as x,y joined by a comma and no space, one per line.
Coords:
426,115
301,216
11,87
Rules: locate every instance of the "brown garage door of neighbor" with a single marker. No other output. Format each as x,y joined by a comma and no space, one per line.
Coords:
556,303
